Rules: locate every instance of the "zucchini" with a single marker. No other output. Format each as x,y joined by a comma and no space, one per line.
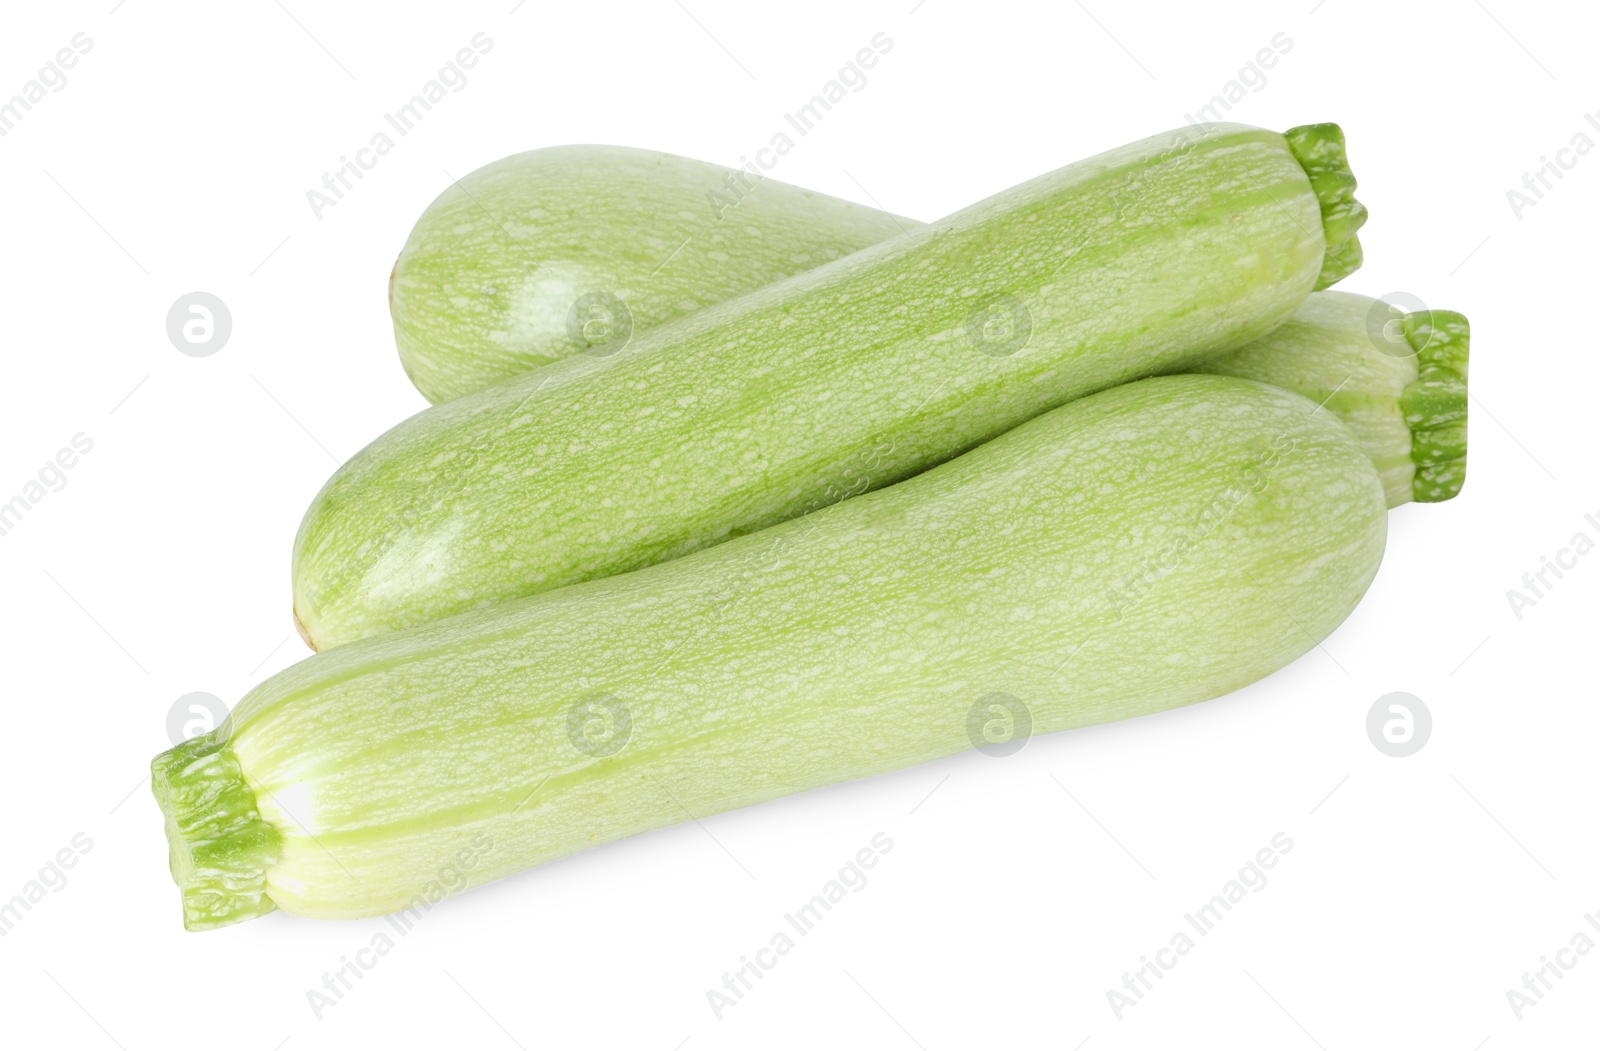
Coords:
546,253
602,214
833,382
1400,383
1153,545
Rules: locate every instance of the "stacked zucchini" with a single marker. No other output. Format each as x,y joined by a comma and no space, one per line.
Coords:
732,490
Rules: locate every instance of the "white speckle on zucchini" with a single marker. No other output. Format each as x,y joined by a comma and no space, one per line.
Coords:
1125,554
1098,273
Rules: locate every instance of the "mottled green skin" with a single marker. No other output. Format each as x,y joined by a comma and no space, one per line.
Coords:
485,286
1400,383
491,281
1150,546
1326,347
839,380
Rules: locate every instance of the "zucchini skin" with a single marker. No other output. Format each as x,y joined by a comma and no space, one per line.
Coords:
833,382
576,248
456,337
1154,545
1399,383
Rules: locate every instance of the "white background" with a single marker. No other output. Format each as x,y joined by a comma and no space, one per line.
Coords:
1418,891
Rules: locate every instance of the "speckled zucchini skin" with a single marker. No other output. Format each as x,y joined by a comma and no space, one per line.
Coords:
1398,382
836,381
1150,546
578,248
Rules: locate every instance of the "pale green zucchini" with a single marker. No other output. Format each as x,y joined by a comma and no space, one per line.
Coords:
572,248
1150,546
599,211
830,383
1398,381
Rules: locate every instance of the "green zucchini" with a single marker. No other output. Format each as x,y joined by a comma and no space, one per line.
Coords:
1399,382
550,252
833,382
602,215
1153,545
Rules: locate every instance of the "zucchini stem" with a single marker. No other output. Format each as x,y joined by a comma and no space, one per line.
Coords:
1400,388
219,845
1435,403
1320,150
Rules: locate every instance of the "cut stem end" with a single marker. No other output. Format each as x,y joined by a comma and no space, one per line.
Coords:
1435,403
1320,150
219,845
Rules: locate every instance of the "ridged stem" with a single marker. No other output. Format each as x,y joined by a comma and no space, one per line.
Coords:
1400,388
1320,150
1435,403
219,845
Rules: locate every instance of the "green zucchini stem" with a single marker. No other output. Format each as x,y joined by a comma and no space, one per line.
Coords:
1320,150
220,846
1435,403
1399,383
